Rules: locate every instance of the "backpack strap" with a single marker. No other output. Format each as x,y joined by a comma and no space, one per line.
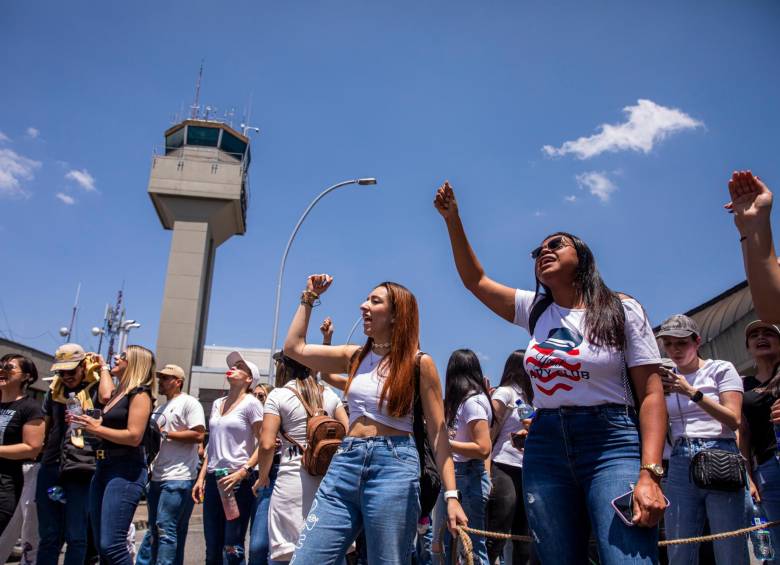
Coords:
416,400
537,310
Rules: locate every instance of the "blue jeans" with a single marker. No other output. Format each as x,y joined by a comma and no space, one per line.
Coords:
768,482
422,554
372,483
58,522
473,482
577,460
114,494
170,507
258,533
225,538
690,505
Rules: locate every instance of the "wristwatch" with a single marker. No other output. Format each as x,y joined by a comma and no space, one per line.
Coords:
164,436
697,396
654,468
248,469
451,494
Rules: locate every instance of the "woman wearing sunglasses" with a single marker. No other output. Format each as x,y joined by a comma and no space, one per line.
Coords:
21,429
589,346
120,470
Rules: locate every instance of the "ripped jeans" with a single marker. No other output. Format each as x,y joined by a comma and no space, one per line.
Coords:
170,507
372,484
225,538
577,460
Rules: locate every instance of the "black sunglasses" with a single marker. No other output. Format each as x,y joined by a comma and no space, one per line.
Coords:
7,367
553,245
67,373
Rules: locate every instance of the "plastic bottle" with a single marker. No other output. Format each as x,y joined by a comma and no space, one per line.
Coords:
524,410
73,407
56,494
229,504
760,539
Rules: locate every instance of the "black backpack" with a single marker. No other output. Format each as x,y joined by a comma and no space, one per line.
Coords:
430,481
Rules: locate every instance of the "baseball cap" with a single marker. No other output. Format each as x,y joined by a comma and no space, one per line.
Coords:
172,370
290,363
234,357
678,325
755,324
67,357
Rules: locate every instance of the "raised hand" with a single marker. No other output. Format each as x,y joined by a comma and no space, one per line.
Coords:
319,283
327,330
751,200
445,202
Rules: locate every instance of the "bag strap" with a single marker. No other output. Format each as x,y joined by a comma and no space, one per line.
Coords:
416,400
309,414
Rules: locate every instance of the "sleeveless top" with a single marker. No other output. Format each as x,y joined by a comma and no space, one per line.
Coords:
364,393
116,419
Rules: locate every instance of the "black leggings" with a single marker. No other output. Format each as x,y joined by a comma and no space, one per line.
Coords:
10,493
506,513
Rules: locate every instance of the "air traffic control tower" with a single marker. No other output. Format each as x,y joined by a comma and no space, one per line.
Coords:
199,188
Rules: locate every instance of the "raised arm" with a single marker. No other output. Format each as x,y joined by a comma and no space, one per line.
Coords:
498,297
333,379
751,203
322,358
433,408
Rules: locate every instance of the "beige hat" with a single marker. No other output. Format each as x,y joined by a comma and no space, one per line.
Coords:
755,324
172,370
68,357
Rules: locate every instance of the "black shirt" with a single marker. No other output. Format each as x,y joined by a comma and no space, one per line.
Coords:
58,430
756,409
13,416
116,419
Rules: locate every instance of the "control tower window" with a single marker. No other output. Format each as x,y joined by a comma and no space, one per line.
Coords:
174,140
206,137
232,145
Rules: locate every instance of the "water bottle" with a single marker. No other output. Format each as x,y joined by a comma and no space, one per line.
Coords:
524,410
229,504
760,539
56,494
73,407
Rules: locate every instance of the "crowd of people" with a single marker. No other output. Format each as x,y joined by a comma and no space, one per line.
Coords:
358,453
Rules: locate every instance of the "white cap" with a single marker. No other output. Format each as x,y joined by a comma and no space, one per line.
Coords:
234,357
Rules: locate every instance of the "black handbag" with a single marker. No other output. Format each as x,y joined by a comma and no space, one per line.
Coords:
717,469
430,481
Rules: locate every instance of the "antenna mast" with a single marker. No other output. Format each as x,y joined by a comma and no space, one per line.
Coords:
195,108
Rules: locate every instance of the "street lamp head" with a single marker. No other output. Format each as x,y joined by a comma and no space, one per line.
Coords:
366,181
64,332
97,331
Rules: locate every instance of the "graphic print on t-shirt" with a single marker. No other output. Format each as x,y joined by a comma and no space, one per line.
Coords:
552,361
6,415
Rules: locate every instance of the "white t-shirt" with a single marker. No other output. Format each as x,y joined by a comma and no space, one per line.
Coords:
567,370
295,488
687,418
476,407
178,461
231,438
503,450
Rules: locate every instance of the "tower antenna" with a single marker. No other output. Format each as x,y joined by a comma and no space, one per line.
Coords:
195,108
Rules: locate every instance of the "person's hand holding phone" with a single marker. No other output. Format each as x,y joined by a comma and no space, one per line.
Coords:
649,502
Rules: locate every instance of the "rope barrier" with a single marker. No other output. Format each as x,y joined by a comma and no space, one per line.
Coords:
463,532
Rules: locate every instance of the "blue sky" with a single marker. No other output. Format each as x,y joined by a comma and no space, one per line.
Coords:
412,93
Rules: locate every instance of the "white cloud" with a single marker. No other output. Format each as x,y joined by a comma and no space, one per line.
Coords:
69,200
570,198
648,123
538,214
82,178
32,132
15,168
597,183
4,138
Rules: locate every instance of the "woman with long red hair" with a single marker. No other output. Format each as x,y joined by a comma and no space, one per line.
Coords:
373,482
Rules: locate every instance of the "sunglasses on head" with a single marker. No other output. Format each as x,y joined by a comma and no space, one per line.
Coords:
553,245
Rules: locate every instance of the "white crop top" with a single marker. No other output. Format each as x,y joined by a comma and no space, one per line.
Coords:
363,396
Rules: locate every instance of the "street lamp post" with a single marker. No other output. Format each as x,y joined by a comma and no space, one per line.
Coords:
361,182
